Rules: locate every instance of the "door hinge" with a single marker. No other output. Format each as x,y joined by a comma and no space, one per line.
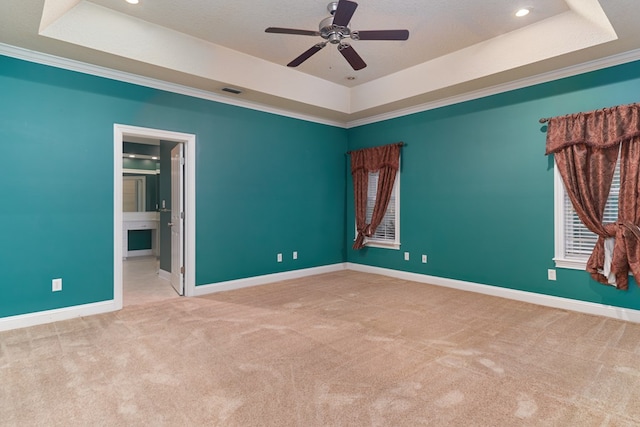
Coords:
182,161
182,270
181,215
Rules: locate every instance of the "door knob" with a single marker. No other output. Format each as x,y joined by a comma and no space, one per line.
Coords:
170,224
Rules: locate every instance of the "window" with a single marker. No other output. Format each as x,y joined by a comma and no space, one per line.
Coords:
573,241
387,234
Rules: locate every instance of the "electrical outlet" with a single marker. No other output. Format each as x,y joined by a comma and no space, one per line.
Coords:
279,257
56,285
406,256
551,274
295,254
424,259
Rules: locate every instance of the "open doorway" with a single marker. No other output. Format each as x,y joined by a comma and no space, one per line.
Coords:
173,218
146,205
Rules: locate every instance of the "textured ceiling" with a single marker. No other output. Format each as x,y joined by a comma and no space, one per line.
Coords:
454,48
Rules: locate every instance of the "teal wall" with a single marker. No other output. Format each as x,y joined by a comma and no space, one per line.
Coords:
139,148
139,240
477,189
476,193
265,184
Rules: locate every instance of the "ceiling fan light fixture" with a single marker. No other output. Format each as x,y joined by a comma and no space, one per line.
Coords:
523,12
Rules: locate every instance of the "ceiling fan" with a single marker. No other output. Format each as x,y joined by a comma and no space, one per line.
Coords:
334,29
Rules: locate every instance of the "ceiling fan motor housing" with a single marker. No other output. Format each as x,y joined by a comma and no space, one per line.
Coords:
333,33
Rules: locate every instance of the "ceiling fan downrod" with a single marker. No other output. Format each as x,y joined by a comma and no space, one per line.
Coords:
332,7
329,30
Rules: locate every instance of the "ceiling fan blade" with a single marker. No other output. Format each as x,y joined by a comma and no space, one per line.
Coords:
344,12
351,56
380,35
278,30
306,55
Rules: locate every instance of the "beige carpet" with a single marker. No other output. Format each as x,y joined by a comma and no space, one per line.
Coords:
341,349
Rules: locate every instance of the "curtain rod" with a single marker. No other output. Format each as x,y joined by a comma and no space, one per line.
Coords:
546,119
399,144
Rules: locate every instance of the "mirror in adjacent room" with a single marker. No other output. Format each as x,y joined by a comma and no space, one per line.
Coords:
140,191
134,193
140,178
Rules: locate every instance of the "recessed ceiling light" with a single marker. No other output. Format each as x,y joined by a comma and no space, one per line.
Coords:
351,77
133,1
523,12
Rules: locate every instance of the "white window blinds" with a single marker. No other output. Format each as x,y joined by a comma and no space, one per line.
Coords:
579,241
387,229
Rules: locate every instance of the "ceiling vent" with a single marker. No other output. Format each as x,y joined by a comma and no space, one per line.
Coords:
232,90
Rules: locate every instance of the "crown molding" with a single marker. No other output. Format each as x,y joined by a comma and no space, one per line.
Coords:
72,65
122,76
574,70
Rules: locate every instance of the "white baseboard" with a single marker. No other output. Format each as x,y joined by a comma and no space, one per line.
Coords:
165,275
49,316
614,312
266,279
620,313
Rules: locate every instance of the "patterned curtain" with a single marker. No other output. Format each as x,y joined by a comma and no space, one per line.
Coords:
385,159
586,147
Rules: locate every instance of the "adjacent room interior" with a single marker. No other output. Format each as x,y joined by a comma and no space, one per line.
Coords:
240,213
146,196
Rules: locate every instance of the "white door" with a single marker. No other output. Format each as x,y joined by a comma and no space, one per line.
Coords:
177,218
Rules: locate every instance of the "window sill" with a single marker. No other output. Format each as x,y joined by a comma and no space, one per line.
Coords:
574,264
383,245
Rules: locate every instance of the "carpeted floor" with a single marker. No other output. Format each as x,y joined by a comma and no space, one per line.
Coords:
340,349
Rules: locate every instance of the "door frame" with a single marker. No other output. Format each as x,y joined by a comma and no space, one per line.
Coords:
189,142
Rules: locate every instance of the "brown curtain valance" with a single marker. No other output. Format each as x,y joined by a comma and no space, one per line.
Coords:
372,159
600,128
